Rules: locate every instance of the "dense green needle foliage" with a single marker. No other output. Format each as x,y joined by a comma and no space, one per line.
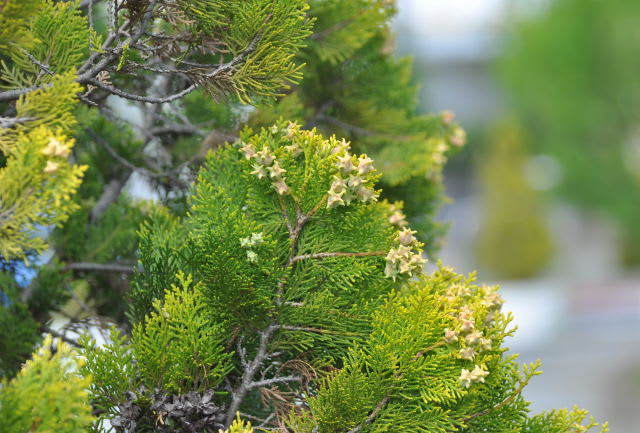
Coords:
47,395
270,284
300,312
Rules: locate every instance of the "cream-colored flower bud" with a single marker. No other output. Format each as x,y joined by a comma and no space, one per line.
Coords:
473,337
345,164
478,374
406,236
485,344
259,171
275,171
450,336
51,167
468,353
52,147
252,256
366,194
459,137
248,150
335,199
281,187
448,117
398,219
338,185
365,165
466,326
264,157
466,378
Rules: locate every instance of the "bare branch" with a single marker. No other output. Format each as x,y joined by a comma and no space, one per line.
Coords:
109,195
172,174
48,330
247,377
99,267
8,122
273,381
138,98
337,254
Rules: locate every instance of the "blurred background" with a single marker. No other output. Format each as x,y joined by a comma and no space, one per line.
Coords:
546,195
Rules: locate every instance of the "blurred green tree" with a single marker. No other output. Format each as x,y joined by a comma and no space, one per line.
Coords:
572,72
513,240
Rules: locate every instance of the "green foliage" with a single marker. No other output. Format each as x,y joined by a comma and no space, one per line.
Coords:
178,347
513,241
60,37
354,87
285,292
17,327
14,18
342,27
412,377
572,74
37,183
302,308
260,39
112,371
562,420
47,396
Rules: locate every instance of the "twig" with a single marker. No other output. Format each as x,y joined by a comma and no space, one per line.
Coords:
109,195
8,122
142,170
272,381
372,416
99,267
248,374
61,336
337,254
35,61
374,413
500,405
138,98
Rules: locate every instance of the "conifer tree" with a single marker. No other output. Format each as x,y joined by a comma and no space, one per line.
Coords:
293,298
284,290
193,74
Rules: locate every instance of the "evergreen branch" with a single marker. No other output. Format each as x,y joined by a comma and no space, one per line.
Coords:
374,413
36,62
503,403
99,267
338,254
285,215
221,69
265,336
179,129
12,95
138,98
372,416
